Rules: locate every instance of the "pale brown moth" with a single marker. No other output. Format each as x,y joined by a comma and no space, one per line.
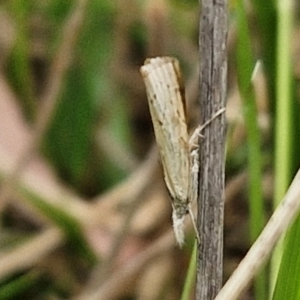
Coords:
167,107
178,152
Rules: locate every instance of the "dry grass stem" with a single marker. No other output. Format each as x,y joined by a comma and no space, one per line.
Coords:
30,252
262,248
115,151
130,187
136,198
115,284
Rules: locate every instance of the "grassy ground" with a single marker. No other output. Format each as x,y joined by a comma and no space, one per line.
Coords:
84,210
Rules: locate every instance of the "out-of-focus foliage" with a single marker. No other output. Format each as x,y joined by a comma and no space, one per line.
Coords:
101,130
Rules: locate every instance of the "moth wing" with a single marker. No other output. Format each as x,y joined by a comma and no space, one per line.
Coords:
167,107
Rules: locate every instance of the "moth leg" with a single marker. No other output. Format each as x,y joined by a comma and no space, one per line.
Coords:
201,127
194,165
193,188
194,222
193,141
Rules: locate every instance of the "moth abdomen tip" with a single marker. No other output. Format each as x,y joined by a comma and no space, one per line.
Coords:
178,225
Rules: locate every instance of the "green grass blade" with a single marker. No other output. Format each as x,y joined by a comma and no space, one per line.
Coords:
288,280
15,288
191,275
284,117
19,69
256,204
265,13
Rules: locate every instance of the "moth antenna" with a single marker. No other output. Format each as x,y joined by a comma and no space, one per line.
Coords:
178,225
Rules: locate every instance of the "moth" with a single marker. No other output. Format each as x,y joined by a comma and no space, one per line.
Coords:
178,152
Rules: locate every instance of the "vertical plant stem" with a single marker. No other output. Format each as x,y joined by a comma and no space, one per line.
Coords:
284,101
213,80
284,114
